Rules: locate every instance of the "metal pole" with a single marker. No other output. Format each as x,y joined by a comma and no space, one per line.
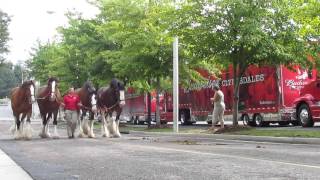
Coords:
175,85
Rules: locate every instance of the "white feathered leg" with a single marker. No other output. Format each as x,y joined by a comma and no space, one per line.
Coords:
91,134
111,126
81,134
55,133
85,126
27,131
107,127
117,131
43,132
47,131
104,126
18,134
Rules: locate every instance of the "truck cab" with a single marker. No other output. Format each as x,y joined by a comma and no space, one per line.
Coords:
308,104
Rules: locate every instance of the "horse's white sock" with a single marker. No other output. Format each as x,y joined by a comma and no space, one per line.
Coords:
91,134
27,131
42,132
48,135
117,132
81,134
107,127
85,126
55,132
18,134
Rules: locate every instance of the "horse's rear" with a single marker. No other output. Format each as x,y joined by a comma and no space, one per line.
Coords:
21,103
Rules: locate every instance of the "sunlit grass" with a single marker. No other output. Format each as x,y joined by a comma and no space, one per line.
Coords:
278,133
244,131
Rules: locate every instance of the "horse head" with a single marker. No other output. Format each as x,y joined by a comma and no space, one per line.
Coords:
52,84
119,89
92,95
29,88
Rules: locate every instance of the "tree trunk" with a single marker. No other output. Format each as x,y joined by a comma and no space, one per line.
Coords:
158,102
236,81
149,108
238,71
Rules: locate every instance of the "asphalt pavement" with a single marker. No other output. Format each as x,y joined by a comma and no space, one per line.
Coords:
155,156
146,156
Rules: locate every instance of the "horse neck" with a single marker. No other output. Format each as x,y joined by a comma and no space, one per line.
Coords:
43,91
111,95
21,94
84,96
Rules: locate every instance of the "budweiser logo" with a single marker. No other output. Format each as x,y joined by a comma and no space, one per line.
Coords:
226,82
295,84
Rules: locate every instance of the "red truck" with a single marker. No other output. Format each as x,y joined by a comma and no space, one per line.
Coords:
267,95
307,106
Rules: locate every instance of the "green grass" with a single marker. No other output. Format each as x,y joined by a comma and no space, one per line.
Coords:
278,133
249,131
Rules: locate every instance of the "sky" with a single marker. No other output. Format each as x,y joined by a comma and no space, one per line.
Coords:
33,20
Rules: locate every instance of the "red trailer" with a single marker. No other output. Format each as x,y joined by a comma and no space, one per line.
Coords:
136,106
266,95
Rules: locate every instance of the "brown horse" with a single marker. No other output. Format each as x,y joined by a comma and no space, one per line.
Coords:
111,100
22,98
49,100
87,94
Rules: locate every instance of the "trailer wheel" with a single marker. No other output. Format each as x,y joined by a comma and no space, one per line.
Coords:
304,116
136,120
185,117
246,120
258,120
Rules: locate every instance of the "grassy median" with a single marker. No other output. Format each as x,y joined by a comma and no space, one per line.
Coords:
278,133
241,130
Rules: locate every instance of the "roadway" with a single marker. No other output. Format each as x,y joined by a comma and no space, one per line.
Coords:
158,157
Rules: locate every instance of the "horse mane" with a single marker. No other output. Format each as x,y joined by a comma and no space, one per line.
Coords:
116,84
88,85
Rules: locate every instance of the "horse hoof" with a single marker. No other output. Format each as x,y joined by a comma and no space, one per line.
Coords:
91,136
42,135
17,138
81,135
104,135
56,137
28,137
117,136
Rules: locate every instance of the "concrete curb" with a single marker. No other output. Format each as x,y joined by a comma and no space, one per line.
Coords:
289,140
10,170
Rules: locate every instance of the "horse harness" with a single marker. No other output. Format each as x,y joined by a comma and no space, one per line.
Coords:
46,96
107,109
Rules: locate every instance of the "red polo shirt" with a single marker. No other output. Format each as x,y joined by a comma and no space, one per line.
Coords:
71,101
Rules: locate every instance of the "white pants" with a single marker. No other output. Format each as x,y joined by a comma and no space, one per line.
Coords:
217,115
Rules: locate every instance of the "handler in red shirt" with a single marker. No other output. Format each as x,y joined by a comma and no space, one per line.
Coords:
72,104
